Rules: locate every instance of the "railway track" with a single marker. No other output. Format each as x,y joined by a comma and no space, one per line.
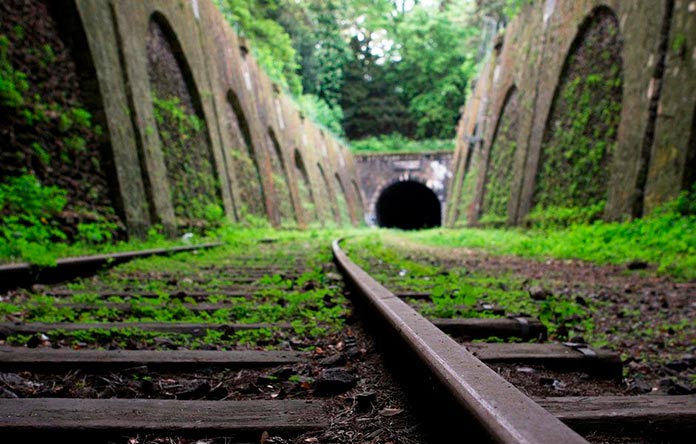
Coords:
259,345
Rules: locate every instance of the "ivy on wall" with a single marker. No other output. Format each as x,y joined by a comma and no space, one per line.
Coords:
305,189
50,142
500,162
193,182
280,183
581,132
342,203
245,164
468,187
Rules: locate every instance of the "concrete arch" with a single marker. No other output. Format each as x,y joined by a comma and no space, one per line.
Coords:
308,203
284,202
244,160
329,190
189,163
574,165
499,162
342,201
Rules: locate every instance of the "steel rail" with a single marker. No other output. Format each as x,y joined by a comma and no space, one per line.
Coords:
25,274
505,413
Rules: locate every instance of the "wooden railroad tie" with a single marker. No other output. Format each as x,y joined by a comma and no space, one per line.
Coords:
571,357
49,359
56,415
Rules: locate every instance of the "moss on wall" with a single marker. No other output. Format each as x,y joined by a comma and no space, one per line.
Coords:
500,161
244,159
304,187
581,131
283,200
341,202
471,172
183,134
48,124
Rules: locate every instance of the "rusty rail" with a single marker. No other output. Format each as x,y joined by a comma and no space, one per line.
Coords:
503,412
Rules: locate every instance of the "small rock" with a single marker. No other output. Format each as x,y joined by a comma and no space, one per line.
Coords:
247,389
333,381
390,412
526,370
7,394
639,387
335,360
681,364
674,387
352,352
577,340
266,379
197,392
331,276
284,373
538,293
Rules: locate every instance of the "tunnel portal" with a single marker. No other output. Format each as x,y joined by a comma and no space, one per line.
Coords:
408,205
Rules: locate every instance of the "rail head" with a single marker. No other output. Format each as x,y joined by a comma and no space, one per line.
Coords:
505,413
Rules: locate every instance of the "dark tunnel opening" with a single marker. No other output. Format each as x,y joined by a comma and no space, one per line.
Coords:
408,205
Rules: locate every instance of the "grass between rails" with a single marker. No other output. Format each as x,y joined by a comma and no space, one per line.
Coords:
458,292
301,293
635,321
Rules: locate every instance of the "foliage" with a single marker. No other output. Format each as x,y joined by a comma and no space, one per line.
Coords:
666,238
309,301
396,143
13,83
434,68
582,129
28,217
319,111
193,185
270,44
501,161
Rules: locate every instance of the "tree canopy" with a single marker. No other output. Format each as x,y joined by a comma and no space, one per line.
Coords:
366,68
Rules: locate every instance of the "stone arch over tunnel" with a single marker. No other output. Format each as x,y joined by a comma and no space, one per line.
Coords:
408,205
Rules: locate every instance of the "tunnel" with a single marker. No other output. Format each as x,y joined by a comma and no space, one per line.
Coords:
408,205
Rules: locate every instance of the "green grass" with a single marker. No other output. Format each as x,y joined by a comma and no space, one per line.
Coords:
665,240
306,299
396,143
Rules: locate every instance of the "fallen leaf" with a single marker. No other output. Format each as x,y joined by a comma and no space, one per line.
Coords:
390,412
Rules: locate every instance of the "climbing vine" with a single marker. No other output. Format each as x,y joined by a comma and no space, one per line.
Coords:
305,189
186,148
468,188
342,203
502,153
51,148
192,181
581,132
280,184
245,166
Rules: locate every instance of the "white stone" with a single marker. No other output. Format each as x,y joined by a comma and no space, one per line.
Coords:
196,11
549,7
